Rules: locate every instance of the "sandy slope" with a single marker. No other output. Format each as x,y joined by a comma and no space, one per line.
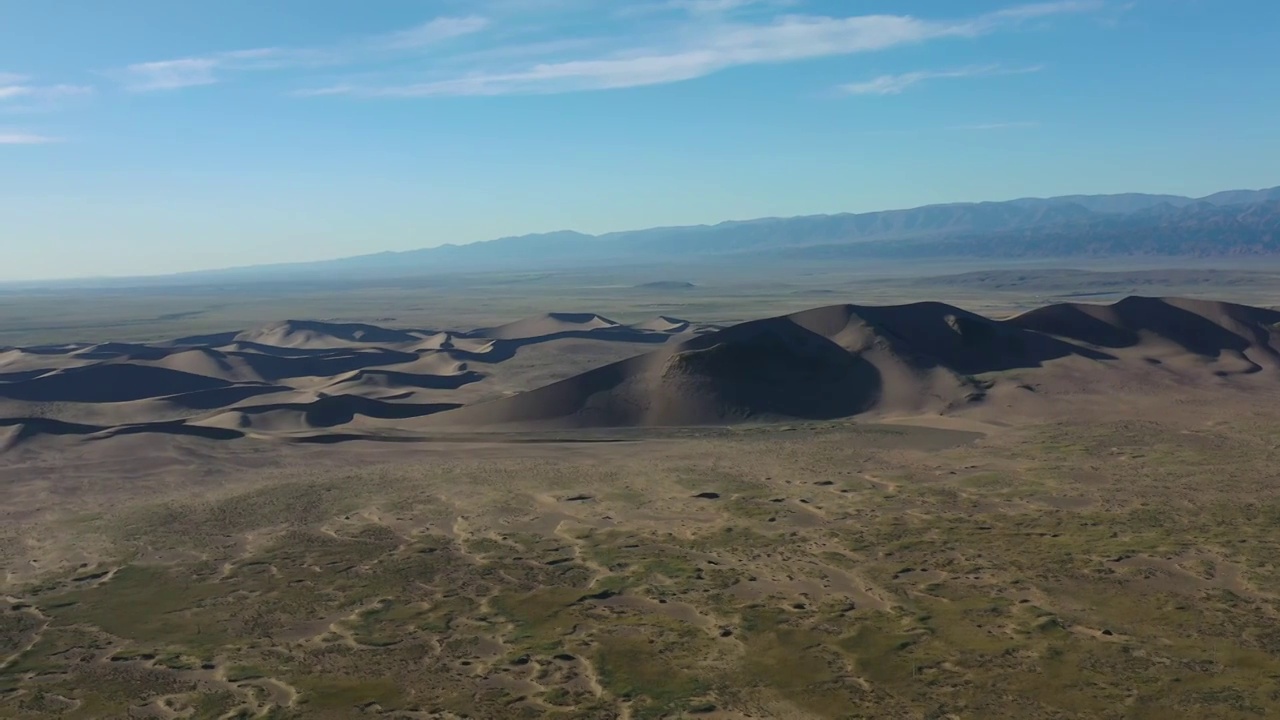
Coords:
296,377
312,380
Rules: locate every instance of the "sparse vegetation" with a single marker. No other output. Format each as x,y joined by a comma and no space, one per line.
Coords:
1068,570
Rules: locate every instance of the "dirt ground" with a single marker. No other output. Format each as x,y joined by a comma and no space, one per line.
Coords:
1118,568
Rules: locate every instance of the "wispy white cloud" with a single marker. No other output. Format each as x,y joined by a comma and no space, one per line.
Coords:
700,49
981,127
20,90
21,94
21,138
784,40
896,84
692,39
171,74
1044,9
722,6
344,89
207,70
194,71
700,8
528,50
433,32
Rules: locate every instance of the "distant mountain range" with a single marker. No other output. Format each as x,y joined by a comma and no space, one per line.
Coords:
1237,222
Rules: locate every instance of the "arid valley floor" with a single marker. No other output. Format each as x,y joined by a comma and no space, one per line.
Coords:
883,510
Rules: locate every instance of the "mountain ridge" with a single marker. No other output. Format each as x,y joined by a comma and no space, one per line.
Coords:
1218,224
1082,215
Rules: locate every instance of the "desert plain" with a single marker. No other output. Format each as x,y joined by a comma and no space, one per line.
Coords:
1020,494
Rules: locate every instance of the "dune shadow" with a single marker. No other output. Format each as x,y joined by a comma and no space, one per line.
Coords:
420,381
176,428
284,365
221,397
121,351
338,410
779,369
502,350
207,341
108,383
1072,322
1136,315
338,438
766,369
930,335
1193,332
23,375
29,428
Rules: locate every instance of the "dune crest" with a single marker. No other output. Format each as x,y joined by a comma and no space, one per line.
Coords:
663,323
309,334
556,323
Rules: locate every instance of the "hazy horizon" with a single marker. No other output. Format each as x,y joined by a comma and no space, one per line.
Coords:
307,259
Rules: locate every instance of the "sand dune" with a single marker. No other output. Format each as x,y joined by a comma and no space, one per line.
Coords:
107,383
772,367
210,362
821,364
326,412
16,431
15,361
832,362
118,351
278,367
458,343
664,324
548,325
391,380
1200,327
846,360
310,334
286,378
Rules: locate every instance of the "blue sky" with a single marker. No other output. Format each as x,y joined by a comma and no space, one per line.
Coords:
148,136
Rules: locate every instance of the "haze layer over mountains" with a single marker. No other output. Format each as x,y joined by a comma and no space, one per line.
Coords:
1238,222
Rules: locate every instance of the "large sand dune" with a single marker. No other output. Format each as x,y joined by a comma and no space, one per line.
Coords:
846,360
306,379
550,324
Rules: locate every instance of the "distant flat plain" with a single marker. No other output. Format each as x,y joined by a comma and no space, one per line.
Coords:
162,308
